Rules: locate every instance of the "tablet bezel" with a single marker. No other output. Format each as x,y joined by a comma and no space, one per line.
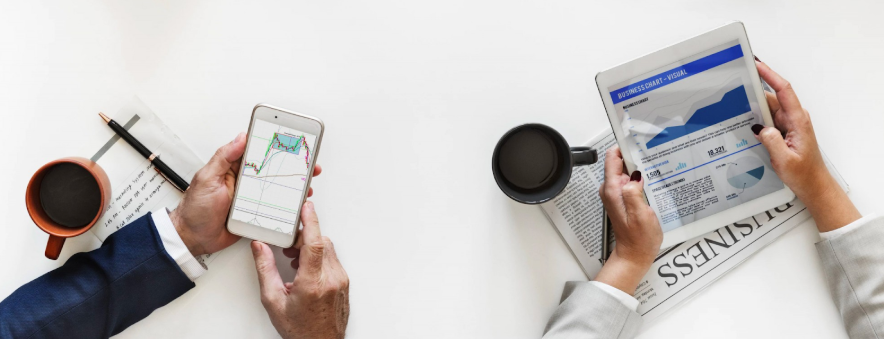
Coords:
674,53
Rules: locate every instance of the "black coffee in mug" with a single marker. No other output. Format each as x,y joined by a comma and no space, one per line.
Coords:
65,198
532,163
70,195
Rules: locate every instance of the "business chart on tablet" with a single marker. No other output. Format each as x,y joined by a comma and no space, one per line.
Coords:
689,128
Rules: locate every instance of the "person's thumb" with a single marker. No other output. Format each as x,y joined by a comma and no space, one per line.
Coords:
269,280
772,139
313,245
225,156
634,199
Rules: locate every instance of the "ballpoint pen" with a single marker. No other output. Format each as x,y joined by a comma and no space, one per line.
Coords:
605,234
158,164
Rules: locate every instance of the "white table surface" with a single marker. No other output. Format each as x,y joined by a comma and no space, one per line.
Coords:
414,95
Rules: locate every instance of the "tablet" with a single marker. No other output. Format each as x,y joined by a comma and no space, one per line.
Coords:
683,116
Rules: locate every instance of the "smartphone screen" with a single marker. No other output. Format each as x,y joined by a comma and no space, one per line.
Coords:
275,172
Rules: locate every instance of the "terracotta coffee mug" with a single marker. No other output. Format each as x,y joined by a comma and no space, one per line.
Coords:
71,199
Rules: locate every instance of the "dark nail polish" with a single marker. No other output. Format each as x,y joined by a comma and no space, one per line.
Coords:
757,128
636,176
757,59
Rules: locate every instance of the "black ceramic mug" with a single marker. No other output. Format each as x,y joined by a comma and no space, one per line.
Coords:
532,163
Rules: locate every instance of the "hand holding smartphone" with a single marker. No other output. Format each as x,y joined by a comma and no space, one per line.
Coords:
274,179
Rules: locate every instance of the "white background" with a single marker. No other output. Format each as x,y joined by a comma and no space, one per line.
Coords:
414,95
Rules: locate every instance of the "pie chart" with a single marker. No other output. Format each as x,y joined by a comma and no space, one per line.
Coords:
745,172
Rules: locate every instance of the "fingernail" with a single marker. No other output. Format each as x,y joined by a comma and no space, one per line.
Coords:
239,137
308,205
757,59
254,247
757,128
636,176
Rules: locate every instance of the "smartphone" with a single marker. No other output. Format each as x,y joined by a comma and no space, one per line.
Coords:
275,175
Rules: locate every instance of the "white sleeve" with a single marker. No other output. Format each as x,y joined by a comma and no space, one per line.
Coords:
629,301
847,228
175,247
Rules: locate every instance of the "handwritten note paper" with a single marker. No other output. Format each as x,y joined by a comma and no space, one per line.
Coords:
136,187
136,197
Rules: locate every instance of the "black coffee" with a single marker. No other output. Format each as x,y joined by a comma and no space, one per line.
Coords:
528,159
70,195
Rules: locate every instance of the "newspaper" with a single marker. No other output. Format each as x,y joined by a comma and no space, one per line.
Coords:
681,270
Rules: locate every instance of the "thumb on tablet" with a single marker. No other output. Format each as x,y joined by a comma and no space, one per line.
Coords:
636,207
772,139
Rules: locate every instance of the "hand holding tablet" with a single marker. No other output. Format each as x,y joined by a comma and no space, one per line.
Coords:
795,156
683,117
634,225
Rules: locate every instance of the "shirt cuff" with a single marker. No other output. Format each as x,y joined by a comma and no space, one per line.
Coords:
847,228
176,248
627,300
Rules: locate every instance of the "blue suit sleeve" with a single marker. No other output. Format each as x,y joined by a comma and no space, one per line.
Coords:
99,293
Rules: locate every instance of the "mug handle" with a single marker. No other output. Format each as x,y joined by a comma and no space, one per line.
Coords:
53,247
584,156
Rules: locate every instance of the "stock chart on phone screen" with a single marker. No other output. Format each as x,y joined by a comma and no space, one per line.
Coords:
274,176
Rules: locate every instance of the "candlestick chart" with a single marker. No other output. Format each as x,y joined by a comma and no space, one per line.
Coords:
283,144
274,176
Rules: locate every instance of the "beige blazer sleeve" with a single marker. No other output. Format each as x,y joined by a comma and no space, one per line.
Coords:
586,311
854,266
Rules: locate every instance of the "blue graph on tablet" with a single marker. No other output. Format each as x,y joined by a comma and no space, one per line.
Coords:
732,104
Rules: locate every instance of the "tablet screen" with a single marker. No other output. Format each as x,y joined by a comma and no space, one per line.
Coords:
688,129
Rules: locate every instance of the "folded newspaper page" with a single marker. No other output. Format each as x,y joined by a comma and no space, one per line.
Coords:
578,214
678,271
